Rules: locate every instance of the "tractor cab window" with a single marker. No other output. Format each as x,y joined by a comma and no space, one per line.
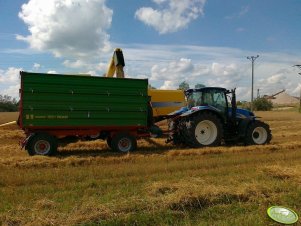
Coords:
210,97
219,100
194,99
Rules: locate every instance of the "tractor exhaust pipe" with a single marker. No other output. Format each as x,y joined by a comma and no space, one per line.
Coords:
234,106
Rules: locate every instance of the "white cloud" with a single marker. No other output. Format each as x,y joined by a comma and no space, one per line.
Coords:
276,79
12,91
75,64
171,74
172,15
76,28
93,73
167,66
243,11
170,85
36,66
82,66
51,72
297,90
10,76
275,83
243,93
175,70
224,70
10,82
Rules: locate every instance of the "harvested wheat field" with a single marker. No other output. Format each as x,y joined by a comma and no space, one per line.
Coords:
8,117
160,184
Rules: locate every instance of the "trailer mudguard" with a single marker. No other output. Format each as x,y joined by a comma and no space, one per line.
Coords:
24,142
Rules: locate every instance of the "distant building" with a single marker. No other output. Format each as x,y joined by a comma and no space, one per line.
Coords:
282,98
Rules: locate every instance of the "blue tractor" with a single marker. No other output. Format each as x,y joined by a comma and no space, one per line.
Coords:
211,118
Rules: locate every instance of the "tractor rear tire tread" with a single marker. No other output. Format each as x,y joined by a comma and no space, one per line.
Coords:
188,126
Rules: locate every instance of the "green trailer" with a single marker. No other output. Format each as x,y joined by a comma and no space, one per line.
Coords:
56,106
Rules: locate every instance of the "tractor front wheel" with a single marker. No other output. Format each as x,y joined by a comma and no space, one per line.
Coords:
258,133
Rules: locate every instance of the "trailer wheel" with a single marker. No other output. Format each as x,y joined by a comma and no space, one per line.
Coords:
202,130
42,144
258,133
124,142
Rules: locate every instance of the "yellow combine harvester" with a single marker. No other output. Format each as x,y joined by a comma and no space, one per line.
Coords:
163,101
166,101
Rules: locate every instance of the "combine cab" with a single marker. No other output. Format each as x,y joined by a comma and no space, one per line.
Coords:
210,119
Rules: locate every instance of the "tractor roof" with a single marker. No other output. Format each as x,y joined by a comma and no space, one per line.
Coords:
188,91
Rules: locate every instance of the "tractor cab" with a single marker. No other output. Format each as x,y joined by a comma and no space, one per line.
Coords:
219,100
208,96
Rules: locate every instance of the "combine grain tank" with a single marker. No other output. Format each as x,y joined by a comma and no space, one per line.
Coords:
165,102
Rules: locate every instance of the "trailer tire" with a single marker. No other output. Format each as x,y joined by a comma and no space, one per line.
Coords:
42,144
124,142
202,130
258,133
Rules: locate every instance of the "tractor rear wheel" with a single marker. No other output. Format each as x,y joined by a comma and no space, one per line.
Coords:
258,133
124,142
202,130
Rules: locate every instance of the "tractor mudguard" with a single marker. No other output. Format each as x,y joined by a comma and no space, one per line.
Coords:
179,112
243,126
244,114
198,109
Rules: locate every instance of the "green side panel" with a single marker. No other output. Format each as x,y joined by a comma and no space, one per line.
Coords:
73,100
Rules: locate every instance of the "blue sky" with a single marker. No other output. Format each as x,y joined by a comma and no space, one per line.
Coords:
166,41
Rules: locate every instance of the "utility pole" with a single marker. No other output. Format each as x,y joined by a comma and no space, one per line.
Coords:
299,66
252,58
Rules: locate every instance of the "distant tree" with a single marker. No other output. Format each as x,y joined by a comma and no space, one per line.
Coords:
183,86
8,104
262,104
151,87
244,105
198,86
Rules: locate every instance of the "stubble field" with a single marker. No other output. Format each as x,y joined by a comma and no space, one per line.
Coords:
87,184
